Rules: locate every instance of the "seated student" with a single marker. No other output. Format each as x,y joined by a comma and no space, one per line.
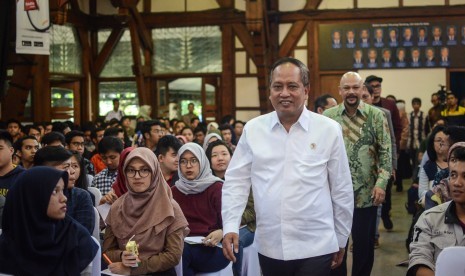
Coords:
8,171
167,155
198,192
119,187
81,179
79,205
148,215
188,134
97,136
25,148
75,141
219,155
109,149
227,133
38,237
199,133
441,226
53,138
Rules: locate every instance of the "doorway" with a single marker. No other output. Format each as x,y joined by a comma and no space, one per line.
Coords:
65,101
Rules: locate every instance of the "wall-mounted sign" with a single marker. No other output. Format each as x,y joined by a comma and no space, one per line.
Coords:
32,24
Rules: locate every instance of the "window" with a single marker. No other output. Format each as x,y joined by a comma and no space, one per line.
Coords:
65,50
120,62
126,92
187,50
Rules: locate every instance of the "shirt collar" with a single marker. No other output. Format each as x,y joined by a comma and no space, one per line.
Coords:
303,120
451,216
360,108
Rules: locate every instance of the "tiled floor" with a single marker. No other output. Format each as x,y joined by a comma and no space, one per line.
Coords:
392,248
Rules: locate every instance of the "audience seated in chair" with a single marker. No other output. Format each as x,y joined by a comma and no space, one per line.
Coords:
148,215
198,192
38,237
444,225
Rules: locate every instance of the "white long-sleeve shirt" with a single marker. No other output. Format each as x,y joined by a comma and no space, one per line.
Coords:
301,183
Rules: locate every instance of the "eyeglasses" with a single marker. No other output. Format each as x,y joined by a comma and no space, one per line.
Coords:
347,88
158,131
77,144
131,173
184,162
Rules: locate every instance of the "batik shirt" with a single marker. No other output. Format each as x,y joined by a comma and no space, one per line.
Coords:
368,146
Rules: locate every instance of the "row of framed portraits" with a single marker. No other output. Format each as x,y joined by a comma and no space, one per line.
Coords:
422,36
401,57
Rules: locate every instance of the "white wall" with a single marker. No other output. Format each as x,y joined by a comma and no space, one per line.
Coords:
406,84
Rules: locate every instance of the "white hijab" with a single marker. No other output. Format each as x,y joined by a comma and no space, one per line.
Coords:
205,178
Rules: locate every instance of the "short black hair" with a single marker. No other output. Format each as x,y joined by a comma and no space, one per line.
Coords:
52,155
124,118
115,100
186,127
304,72
113,131
322,101
52,137
194,118
456,134
19,143
93,134
165,143
224,127
200,128
416,100
73,133
14,121
147,125
59,126
6,137
110,143
238,122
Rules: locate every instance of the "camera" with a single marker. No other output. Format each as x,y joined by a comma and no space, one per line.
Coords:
442,94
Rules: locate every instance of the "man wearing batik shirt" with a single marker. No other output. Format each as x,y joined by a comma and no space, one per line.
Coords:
368,146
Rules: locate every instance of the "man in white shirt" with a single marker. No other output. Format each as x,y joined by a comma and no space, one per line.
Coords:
296,163
115,112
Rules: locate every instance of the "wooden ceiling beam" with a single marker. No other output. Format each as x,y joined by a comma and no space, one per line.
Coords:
144,34
107,50
292,38
405,13
246,39
202,18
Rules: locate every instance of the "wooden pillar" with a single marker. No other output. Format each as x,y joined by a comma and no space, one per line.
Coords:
41,94
227,94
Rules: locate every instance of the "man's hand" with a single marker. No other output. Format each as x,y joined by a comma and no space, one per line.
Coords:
119,268
337,258
377,195
230,241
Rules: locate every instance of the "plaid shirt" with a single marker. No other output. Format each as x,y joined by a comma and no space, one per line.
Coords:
104,180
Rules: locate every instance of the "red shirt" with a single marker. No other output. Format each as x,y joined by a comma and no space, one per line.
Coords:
202,211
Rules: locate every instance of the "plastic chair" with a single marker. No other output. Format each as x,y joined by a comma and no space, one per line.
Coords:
450,261
227,271
250,262
96,232
94,267
96,192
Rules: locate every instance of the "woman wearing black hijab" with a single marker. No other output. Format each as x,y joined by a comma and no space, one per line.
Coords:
38,237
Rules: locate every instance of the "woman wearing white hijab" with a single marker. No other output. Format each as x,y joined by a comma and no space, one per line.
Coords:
210,138
198,192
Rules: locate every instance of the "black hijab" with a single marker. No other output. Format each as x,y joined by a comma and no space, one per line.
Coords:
31,242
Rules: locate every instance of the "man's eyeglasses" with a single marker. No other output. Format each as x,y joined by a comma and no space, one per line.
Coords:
158,131
376,86
77,144
131,173
193,162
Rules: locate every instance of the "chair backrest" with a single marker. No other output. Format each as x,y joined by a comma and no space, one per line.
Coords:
451,261
96,192
93,269
96,233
